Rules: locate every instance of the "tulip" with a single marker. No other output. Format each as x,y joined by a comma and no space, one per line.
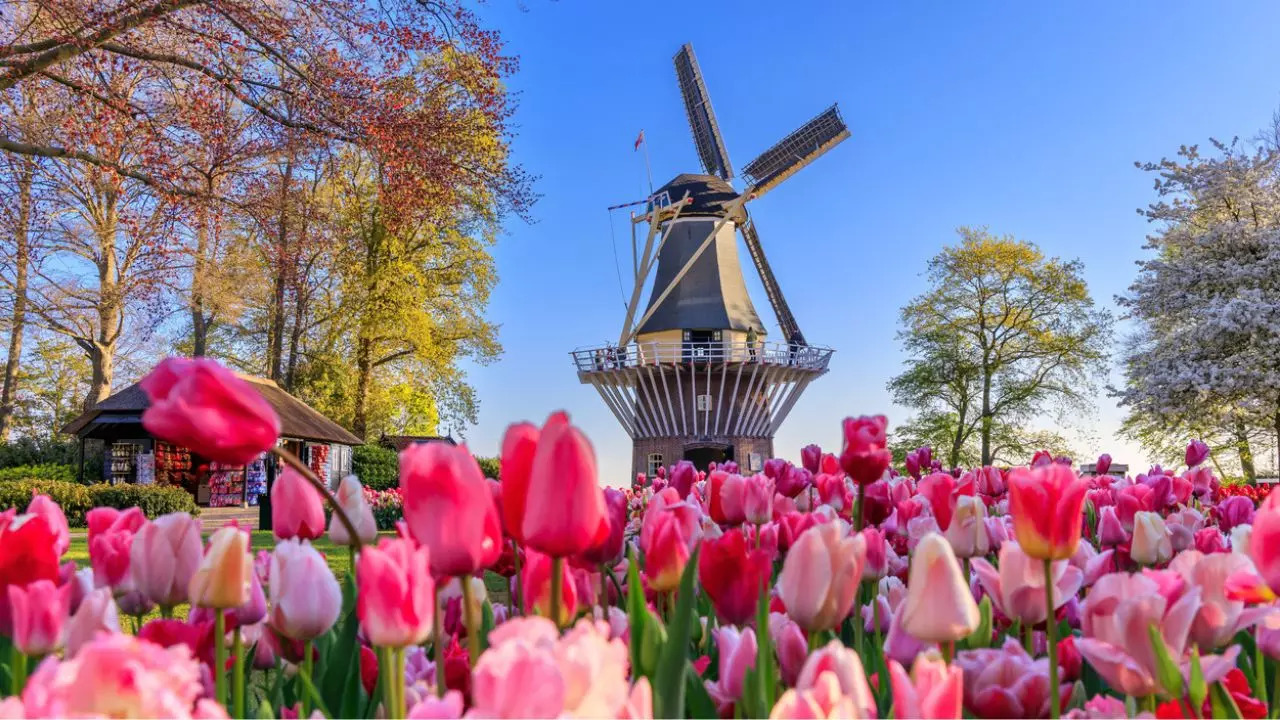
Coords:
222,579
990,481
1242,542
564,510
811,458
1103,465
27,554
1016,589
1219,618
757,501
1233,511
792,525
733,498
1110,532
912,463
164,556
667,551
1183,526
1007,682
39,611
255,608
967,532
939,490
1041,458
1210,540
939,606
396,598
518,448
1197,452
842,663
201,405
997,532
865,456
96,615
820,577
351,499
449,509
305,597
877,554
609,550
537,589
932,690
733,576
790,644
1151,544
43,506
683,474
1046,505
1203,482
297,509
737,656
110,538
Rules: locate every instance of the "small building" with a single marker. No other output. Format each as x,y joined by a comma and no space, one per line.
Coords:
132,455
400,442
1117,469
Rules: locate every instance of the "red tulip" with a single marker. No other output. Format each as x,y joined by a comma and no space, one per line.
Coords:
865,457
715,504
297,510
518,448
791,525
1046,505
939,490
449,509
811,458
44,506
733,576
667,550
830,464
536,584
39,612
396,599
1103,465
199,404
564,508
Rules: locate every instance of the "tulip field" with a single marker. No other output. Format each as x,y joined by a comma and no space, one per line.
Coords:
839,586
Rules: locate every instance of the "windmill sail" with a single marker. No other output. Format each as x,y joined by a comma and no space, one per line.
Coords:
795,151
702,119
786,321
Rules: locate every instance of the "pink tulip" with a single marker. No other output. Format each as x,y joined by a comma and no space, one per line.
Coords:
811,458
43,506
351,499
297,510
223,578
933,690
877,554
820,577
305,597
757,499
998,532
110,538
939,489
396,598
967,532
1017,588
1210,540
668,549
1183,526
1103,466
536,584
990,481
682,476
1006,682
1197,452
39,611
1233,511
609,550
865,456
519,445
790,645
737,656
842,663
939,606
1110,532
1115,618
733,499
1046,505
1203,482
448,508
1218,619
564,511
164,556
253,610
97,615
199,404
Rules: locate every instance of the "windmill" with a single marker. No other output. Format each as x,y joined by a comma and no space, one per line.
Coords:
691,378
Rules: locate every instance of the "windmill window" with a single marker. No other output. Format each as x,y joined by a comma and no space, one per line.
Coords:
655,462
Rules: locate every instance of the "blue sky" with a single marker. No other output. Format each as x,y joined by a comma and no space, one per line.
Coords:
1025,117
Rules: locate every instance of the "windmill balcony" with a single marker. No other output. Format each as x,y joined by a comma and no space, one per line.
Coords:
654,354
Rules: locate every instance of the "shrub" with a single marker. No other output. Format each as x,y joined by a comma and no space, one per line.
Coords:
62,473
490,466
376,466
155,500
74,498
39,451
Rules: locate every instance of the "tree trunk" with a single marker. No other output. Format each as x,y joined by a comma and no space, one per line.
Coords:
102,349
275,330
1246,454
957,443
295,333
22,252
199,324
986,418
364,370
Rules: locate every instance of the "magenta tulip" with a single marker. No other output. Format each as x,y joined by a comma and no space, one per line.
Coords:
448,508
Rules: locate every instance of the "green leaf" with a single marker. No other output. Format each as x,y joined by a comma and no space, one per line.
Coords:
700,704
981,635
765,674
637,613
668,686
1197,688
264,711
652,641
309,688
1167,671
339,672
1222,704
487,623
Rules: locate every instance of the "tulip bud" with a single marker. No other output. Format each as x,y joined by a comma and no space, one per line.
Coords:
939,606
297,510
164,555
38,612
305,597
1197,452
351,499
223,578
1151,544
967,532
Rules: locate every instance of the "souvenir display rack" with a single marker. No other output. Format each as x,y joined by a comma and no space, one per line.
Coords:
255,479
124,456
173,464
318,460
226,485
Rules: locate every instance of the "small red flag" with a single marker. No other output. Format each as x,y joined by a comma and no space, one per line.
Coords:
639,141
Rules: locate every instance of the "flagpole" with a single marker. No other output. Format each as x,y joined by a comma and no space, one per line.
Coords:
644,142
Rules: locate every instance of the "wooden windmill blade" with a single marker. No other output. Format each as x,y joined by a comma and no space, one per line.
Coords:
806,144
702,119
786,321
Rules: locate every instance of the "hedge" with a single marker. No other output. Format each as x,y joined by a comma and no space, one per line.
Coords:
50,471
490,466
77,500
376,466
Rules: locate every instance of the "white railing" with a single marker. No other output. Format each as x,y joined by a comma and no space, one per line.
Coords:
648,354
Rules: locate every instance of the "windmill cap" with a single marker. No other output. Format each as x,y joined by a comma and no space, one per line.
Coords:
709,195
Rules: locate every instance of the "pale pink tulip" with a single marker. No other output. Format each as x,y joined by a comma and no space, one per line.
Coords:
737,656
164,556
757,499
351,498
1151,542
932,690
39,611
1218,619
1017,587
967,532
222,579
96,615
305,597
939,606
1006,682
820,577
789,643
834,659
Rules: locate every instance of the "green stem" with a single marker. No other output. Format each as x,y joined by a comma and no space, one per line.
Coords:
949,651
1259,670
857,619
517,602
387,672
557,572
19,671
308,666
220,658
857,510
437,647
166,611
469,618
1029,639
604,594
815,640
875,617
398,655
1051,630
237,677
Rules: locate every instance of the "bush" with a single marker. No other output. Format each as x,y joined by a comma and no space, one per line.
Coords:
74,498
155,500
490,466
377,467
39,451
62,473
